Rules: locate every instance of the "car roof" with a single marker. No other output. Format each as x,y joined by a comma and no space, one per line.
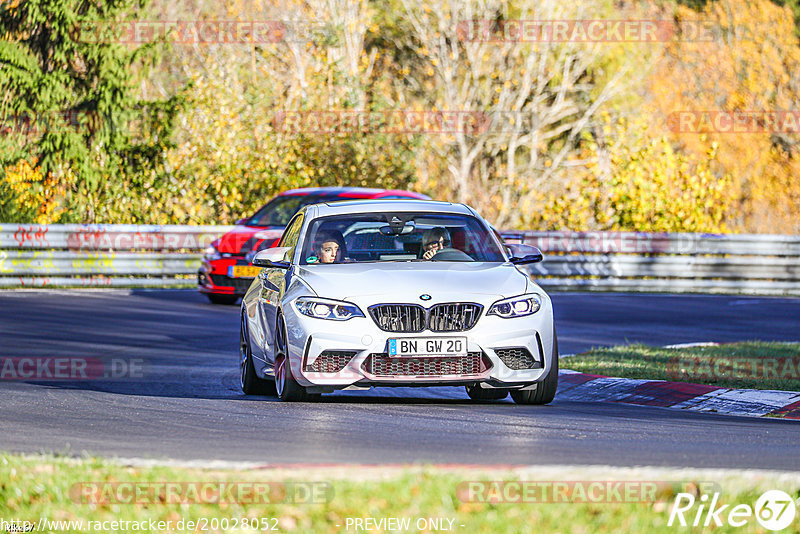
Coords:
352,192
370,206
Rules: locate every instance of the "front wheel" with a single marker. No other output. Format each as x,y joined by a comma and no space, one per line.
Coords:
285,384
287,387
248,379
545,390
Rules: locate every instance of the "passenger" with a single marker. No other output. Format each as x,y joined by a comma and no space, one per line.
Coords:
328,247
434,240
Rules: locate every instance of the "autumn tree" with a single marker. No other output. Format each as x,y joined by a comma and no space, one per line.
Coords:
71,109
231,153
538,95
634,181
749,65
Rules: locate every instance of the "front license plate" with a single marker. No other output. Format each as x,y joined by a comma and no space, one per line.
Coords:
244,271
428,346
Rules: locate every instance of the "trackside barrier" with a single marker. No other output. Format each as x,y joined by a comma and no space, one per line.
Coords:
757,264
156,256
102,255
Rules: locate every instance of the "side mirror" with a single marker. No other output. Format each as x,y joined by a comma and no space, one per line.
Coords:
241,221
523,254
272,257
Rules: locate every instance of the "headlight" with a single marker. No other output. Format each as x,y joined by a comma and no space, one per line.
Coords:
516,306
211,253
335,310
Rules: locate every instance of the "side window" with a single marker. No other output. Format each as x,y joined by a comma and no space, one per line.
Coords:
292,235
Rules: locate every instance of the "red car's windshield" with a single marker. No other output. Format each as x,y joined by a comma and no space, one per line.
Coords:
278,211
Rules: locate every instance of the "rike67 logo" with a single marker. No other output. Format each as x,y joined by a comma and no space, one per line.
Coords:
774,510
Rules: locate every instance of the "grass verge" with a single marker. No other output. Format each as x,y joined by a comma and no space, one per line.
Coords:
429,498
750,365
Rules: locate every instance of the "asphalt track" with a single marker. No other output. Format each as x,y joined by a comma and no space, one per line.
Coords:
187,404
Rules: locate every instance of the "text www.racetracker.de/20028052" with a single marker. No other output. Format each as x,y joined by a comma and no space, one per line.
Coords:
202,524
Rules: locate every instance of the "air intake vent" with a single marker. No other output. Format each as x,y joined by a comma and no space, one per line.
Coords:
518,358
330,361
381,364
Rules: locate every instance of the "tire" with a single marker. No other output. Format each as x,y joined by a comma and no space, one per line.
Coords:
545,391
476,392
248,379
222,299
287,388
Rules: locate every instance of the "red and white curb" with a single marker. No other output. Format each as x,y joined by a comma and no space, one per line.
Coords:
680,395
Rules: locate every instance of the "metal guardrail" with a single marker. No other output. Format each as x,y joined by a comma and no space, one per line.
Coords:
102,255
156,256
757,264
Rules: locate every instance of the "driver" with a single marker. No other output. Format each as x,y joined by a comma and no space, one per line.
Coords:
328,248
434,240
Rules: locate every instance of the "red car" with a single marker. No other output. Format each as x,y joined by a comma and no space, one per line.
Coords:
226,272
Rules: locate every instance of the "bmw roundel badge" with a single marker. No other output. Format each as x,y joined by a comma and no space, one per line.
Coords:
425,297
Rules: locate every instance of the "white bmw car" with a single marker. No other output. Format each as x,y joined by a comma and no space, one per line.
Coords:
360,294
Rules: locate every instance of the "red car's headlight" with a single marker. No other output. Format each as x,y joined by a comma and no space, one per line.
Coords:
211,253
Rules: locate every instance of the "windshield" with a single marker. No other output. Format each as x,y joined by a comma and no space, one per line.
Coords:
279,210
402,236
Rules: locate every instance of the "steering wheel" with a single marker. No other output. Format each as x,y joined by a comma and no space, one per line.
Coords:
451,254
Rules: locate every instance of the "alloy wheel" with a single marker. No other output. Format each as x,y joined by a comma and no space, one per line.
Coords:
243,356
280,375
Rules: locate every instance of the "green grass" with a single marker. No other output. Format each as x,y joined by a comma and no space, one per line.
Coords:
40,486
752,364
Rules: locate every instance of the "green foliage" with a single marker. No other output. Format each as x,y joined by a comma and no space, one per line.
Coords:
91,128
9,209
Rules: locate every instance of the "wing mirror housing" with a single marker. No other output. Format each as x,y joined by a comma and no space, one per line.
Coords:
272,257
524,254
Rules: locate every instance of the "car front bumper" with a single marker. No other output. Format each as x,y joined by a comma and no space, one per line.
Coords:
320,347
212,277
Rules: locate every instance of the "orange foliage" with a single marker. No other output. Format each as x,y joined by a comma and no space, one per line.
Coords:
34,193
750,66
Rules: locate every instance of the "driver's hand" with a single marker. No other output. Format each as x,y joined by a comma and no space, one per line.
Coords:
428,254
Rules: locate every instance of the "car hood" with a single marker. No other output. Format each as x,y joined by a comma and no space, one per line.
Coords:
233,241
406,281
